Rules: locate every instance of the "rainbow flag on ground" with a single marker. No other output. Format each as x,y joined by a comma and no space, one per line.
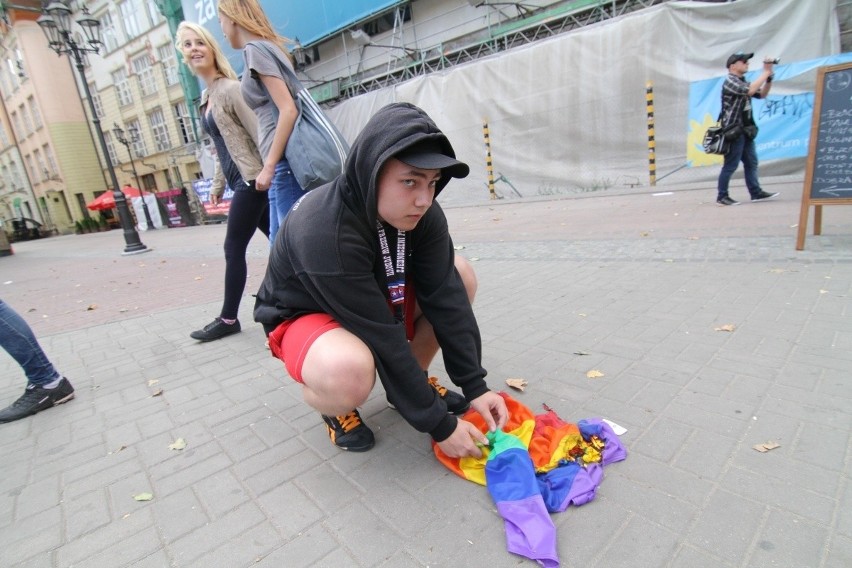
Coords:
538,464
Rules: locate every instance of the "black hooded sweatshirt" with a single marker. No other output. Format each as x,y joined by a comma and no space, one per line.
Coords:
326,259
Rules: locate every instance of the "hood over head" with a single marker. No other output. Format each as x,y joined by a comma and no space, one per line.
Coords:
403,131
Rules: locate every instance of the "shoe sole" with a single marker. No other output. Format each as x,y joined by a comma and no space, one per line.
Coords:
356,449
206,339
62,400
763,199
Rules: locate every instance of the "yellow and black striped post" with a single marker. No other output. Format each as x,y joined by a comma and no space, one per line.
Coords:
489,167
652,145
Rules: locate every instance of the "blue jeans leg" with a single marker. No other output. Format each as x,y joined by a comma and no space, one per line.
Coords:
283,193
732,160
750,166
18,340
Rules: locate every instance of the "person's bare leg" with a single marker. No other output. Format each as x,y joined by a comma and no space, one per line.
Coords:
425,345
338,373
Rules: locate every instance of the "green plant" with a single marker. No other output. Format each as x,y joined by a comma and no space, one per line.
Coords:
78,228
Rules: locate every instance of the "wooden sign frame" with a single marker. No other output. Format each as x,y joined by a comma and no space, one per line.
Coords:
811,164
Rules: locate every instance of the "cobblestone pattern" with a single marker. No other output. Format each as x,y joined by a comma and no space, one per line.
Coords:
259,483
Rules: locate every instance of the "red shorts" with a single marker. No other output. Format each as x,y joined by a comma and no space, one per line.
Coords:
291,340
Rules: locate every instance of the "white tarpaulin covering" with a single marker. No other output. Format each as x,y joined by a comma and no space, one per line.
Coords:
568,114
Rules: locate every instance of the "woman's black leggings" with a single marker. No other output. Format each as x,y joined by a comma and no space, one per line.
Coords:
249,211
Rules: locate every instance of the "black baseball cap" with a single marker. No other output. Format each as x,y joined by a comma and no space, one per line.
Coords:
739,56
430,154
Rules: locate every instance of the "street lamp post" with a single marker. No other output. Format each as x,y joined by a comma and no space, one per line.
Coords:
55,22
118,132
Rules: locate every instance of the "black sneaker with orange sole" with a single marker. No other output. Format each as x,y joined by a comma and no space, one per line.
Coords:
456,403
348,432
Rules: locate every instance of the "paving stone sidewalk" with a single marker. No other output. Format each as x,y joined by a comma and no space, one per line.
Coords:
638,282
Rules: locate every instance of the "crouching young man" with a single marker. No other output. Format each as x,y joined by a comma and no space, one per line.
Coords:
363,279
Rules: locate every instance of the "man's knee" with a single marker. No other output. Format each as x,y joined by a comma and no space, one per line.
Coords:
340,369
468,276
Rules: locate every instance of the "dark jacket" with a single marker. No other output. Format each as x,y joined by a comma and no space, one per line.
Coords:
326,259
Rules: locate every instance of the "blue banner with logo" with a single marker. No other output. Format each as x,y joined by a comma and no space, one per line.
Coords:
784,119
308,21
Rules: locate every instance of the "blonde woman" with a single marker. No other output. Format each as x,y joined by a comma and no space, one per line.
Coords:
246,27
232,126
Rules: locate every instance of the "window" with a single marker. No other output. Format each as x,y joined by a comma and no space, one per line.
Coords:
16,174
184,122
109,35
35,112
135,21
4,176
166,54
139,148
159,130
149,182
16,124
43,172
122,86
386,22
13,73
145,74
26,120
4,81
51,160
110,147
154,13
34,175
4,136
96,100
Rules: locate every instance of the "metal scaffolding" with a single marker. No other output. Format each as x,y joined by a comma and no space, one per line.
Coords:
527,28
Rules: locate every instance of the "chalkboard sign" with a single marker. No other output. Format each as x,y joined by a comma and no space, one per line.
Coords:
832,170
828,173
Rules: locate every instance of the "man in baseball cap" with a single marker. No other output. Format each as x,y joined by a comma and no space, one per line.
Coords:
737,116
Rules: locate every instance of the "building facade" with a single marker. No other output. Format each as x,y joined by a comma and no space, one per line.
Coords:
48,165
51,162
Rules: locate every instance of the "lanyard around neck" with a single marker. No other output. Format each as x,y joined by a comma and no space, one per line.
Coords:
395,271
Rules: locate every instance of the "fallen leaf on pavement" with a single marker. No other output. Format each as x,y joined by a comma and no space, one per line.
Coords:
594,374
152,382
143,497
92,307
766,446
157,392
726,327
519,384
178,444
581,353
